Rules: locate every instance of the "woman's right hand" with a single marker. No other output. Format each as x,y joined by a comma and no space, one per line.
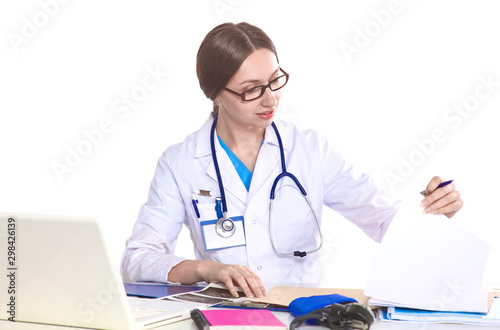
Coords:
191,271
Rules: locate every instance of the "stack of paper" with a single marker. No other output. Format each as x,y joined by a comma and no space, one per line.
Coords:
430,263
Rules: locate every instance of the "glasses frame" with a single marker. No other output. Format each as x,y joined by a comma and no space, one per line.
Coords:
263,87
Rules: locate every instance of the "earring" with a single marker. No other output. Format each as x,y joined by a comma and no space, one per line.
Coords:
215,110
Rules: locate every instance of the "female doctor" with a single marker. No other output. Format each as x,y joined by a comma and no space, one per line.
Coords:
220,182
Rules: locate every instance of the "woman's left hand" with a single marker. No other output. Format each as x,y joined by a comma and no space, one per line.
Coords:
445,200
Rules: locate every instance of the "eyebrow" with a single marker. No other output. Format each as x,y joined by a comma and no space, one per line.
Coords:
256,80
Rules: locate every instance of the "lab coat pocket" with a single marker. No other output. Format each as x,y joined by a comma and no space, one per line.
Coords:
211,238
207,211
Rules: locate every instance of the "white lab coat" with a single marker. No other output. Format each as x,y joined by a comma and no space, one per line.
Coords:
188,167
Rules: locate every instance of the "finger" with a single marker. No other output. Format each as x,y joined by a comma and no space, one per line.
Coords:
255,284
229,276
232,276
433,184
439,198
228,281
241,281
242,276
262,289
451,208
232,289
436,195
249,282
442,201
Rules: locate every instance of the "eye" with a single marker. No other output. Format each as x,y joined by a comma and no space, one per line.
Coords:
250,89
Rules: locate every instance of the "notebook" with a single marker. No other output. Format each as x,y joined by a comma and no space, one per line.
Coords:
61,273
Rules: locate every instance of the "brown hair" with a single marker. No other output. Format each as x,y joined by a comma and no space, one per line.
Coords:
223,50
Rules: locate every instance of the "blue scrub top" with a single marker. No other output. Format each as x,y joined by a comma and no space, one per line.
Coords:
243,171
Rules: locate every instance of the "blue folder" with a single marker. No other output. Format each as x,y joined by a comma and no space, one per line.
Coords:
157,290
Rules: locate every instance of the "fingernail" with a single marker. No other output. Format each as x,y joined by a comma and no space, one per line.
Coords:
427,210
424,203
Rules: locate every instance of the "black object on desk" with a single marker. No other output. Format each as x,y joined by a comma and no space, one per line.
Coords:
338,316
199,319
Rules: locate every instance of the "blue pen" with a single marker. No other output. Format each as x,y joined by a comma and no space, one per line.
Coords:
441,185
218,207
195,201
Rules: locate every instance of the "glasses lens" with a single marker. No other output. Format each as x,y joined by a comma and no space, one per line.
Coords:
257,92
253,93
278,82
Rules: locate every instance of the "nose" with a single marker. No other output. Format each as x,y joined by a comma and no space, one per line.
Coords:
270,98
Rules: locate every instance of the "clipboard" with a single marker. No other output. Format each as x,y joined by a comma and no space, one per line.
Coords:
248,304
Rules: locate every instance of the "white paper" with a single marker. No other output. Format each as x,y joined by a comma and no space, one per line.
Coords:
494,312
429,262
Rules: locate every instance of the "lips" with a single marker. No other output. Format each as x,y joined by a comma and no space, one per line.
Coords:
266,114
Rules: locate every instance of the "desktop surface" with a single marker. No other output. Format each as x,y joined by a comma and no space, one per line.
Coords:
283,316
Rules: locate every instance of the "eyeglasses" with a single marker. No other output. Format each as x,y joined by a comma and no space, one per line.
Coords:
256,92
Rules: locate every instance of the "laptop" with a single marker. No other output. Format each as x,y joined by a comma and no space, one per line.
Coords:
59,272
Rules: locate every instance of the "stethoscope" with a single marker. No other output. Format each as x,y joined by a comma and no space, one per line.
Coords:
225,226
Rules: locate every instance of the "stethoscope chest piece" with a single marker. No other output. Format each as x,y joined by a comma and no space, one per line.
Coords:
225,227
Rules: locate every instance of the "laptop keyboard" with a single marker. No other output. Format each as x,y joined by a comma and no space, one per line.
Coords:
141,312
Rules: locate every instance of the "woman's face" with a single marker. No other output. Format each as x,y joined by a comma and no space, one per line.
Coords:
259,68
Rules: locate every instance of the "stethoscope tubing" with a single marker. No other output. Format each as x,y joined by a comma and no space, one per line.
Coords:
284,173
283,168
217,170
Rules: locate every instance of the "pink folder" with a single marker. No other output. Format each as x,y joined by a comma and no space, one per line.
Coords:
254,318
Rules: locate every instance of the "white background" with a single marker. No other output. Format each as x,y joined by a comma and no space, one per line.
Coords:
64,66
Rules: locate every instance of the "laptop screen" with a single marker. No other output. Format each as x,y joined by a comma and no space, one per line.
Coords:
60,272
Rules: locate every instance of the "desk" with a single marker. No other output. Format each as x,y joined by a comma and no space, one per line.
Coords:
284,317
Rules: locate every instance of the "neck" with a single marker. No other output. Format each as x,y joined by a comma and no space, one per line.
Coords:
240,138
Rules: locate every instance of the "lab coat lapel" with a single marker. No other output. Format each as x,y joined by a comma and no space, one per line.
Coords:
230,178
268,161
